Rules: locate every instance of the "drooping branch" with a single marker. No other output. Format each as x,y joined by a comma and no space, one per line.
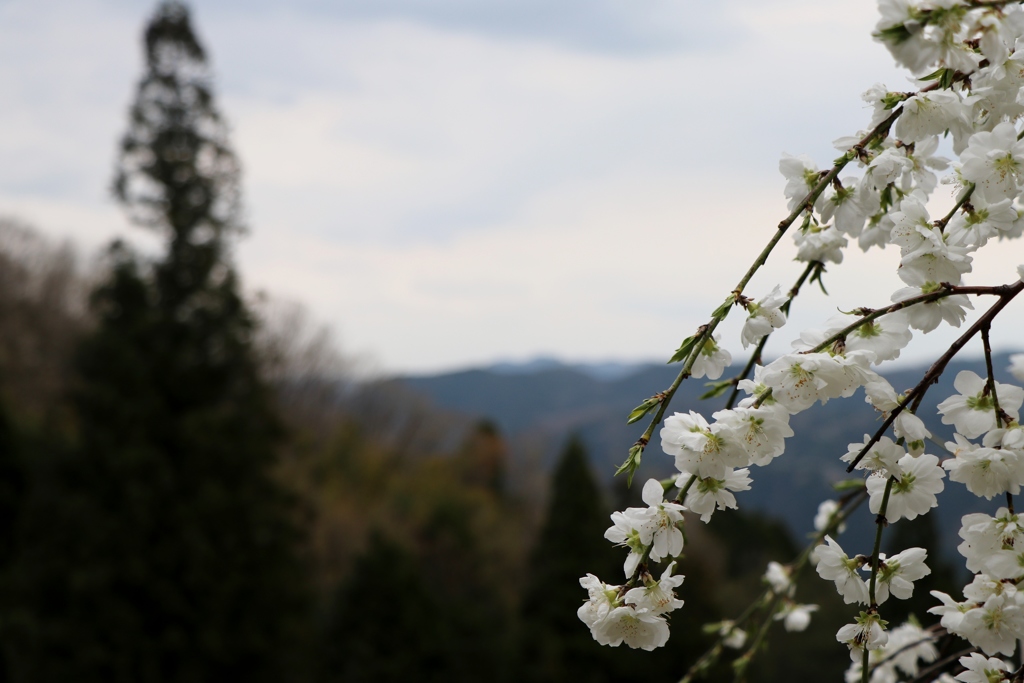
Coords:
913,398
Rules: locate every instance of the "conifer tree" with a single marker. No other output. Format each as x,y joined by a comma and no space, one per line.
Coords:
554,647
12,493
410,642
168,552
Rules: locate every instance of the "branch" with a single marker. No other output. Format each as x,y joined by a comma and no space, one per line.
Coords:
944,221
755,357
1006,293
705,331
847,505
870,315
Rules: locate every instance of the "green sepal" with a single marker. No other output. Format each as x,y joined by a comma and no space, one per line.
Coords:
943,76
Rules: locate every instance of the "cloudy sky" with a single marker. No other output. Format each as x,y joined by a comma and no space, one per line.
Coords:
452,182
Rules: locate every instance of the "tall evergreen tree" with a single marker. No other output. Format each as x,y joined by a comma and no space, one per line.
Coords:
410,641
12,494
555,645
166,551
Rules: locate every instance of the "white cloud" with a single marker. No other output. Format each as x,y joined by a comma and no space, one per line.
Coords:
447,193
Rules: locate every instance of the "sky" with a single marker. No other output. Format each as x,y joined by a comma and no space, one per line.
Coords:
450,183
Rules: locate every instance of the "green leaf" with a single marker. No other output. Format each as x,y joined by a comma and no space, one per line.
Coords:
849,156
717,388
683,352
893,34
643,409
848,484
892,99
816,277
726,306
636,454
943,76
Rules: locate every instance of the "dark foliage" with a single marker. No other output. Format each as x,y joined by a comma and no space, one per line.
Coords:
159,547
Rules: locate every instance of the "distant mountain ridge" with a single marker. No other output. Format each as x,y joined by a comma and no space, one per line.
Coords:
607,371
545,401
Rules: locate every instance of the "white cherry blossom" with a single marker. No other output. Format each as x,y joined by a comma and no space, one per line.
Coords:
927,316
710,494
897,574
802,175
659,531
798,381
885,168
1017,366
602,600
972,412
994,161
883,457
920,177
824,244
932,261
657,597
986,221
880,394
636,628
763,317
625,531
849,206
984,471
1006,438
735,637
827,511
866,633
778,578
981,669
795,618
711,361
951,612
929,114
913,494
996,625
993,545
702,449
834,565
760,432
909,645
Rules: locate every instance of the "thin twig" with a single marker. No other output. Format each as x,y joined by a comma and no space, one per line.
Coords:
1001,417
870,315
848,503
706,330
944,221
914,397
941,664
755,357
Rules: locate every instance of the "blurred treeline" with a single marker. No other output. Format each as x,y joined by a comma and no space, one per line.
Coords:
421,550
195,487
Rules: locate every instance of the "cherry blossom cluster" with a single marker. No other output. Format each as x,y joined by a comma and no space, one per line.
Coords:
907,647
967,59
